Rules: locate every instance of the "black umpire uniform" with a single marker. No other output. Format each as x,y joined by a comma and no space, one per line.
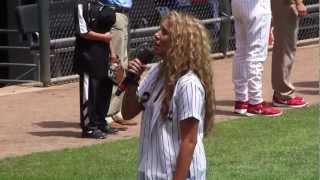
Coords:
91,63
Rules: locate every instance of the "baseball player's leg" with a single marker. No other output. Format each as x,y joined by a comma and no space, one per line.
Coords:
258,35
255,69
259,21
239,69
285,34
239,72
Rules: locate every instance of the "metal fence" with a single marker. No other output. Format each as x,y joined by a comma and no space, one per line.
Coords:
61,26
144,19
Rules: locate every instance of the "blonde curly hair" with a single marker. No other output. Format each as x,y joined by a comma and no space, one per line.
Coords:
189,49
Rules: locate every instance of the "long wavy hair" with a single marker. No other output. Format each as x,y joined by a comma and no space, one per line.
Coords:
189,49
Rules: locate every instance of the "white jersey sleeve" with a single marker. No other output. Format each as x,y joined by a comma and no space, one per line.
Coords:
148,81
189,98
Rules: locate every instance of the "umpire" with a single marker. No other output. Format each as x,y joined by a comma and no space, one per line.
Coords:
93,22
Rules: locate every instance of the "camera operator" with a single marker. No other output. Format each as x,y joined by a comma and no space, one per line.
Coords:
119,45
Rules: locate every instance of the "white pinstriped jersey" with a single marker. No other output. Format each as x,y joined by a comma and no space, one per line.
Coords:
159,139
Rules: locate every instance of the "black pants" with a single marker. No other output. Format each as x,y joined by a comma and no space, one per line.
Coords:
95,95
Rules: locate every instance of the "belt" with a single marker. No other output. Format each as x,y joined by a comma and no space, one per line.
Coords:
118,9
121,9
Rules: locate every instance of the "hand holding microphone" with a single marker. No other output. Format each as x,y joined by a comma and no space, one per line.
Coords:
136,67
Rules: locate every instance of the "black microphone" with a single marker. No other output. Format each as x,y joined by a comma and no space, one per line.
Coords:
145,55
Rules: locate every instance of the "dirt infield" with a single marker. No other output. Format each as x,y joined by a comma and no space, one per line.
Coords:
35,119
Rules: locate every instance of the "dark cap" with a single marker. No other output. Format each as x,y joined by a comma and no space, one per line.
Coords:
106,18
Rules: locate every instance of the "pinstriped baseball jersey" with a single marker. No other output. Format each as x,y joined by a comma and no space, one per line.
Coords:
159,139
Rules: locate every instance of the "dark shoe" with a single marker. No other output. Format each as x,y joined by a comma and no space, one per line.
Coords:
295,101
109,130
95,134
119,119
118,126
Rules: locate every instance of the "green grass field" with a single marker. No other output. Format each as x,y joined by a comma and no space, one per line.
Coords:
256,148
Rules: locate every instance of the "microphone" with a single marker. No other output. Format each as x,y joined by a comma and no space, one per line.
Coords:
145,54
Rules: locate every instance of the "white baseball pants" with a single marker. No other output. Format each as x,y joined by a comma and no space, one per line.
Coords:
252,26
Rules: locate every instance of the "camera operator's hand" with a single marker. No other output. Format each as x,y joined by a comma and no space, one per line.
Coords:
299,9
302,9
115,59
136,67
107,37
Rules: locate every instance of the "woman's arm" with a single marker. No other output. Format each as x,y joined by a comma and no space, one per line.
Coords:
130,104
188,130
